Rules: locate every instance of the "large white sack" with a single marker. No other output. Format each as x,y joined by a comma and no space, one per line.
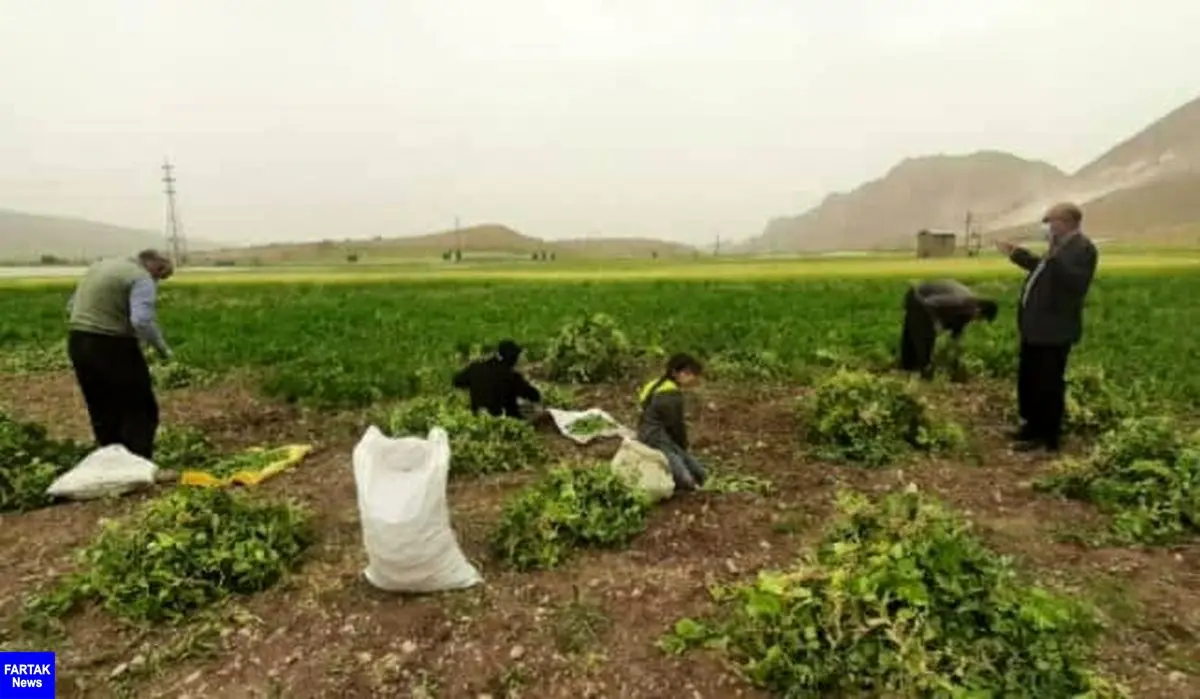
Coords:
644,467
111,470
401,486
563,419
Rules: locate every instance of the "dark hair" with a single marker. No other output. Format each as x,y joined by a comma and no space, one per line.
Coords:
683,362
509,351
988,309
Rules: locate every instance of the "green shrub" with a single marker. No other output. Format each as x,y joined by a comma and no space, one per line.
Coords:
866,418
1093,404
590,350
180,554
479,443
567,509
901,599
742,364
183,448
30,461
1145,473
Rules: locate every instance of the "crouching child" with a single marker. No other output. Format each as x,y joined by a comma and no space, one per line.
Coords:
662,425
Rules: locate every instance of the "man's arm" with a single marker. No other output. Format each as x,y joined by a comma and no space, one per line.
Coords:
463,378
1073,272
1024,259
71,304
526,390
142,299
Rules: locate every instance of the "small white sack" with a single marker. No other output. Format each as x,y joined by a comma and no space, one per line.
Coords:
563,419
644,467
107,471
401,486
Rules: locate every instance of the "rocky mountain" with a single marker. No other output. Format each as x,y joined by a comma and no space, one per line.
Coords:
28,237
928,192
1144,188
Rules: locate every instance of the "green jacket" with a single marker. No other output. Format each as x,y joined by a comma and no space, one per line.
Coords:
101,303
662,419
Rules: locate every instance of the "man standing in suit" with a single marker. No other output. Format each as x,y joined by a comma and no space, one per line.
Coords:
1050,321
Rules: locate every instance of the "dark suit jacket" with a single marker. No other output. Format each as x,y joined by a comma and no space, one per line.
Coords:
1052,312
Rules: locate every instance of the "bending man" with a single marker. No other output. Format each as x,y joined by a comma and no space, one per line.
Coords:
934,306
112,308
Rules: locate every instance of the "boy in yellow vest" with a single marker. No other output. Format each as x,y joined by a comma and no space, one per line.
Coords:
662,425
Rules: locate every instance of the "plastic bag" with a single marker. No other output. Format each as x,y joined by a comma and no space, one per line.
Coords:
644,467
564,420
108,471
401,486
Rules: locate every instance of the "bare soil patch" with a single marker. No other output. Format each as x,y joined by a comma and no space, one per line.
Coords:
589,628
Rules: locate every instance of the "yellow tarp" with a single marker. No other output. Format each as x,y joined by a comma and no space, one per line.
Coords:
291,455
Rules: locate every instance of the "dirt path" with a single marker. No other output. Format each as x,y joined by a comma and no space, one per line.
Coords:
587,629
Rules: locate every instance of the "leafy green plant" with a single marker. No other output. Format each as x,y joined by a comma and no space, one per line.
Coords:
479,443
181,448
1093,404
589,350
30,461
870,419
590,425
559,396
180,554
171,375
1145,473
901,599
567,509
744,364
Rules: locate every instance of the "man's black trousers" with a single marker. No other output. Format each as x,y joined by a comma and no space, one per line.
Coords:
1042,391
115,381
918,337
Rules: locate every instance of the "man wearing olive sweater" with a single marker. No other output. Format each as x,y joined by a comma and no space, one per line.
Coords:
1050,320
113,307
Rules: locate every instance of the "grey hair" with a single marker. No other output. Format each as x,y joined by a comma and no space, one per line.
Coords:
149,256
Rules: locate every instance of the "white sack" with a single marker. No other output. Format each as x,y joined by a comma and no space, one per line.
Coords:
644,467
111,470
563,419
401,486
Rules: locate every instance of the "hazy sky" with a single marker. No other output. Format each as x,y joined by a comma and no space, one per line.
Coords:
307,119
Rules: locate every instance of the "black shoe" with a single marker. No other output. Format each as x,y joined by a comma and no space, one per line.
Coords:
1024,434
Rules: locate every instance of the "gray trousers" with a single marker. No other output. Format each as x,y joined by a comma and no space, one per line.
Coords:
688,473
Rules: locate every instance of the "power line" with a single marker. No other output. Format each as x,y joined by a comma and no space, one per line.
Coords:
176,241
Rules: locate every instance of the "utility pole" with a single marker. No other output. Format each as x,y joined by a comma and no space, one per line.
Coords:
176,241
717,246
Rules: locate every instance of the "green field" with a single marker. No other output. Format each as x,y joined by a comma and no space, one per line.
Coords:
275,356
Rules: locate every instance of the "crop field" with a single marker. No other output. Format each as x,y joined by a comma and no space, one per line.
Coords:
904,548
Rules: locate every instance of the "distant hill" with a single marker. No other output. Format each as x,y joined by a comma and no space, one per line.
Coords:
928,192
1142,189
484,240
27,237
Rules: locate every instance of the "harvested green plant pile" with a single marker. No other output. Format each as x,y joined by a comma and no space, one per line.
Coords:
1146,473
183,448
248,460
864,418
590,350
479,443
181,553
901,600
590,425
29,462
567,509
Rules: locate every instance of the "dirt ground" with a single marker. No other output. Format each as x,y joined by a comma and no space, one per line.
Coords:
589,628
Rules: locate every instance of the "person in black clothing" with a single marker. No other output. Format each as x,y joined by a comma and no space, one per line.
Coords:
933,306
1050,321
495,384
